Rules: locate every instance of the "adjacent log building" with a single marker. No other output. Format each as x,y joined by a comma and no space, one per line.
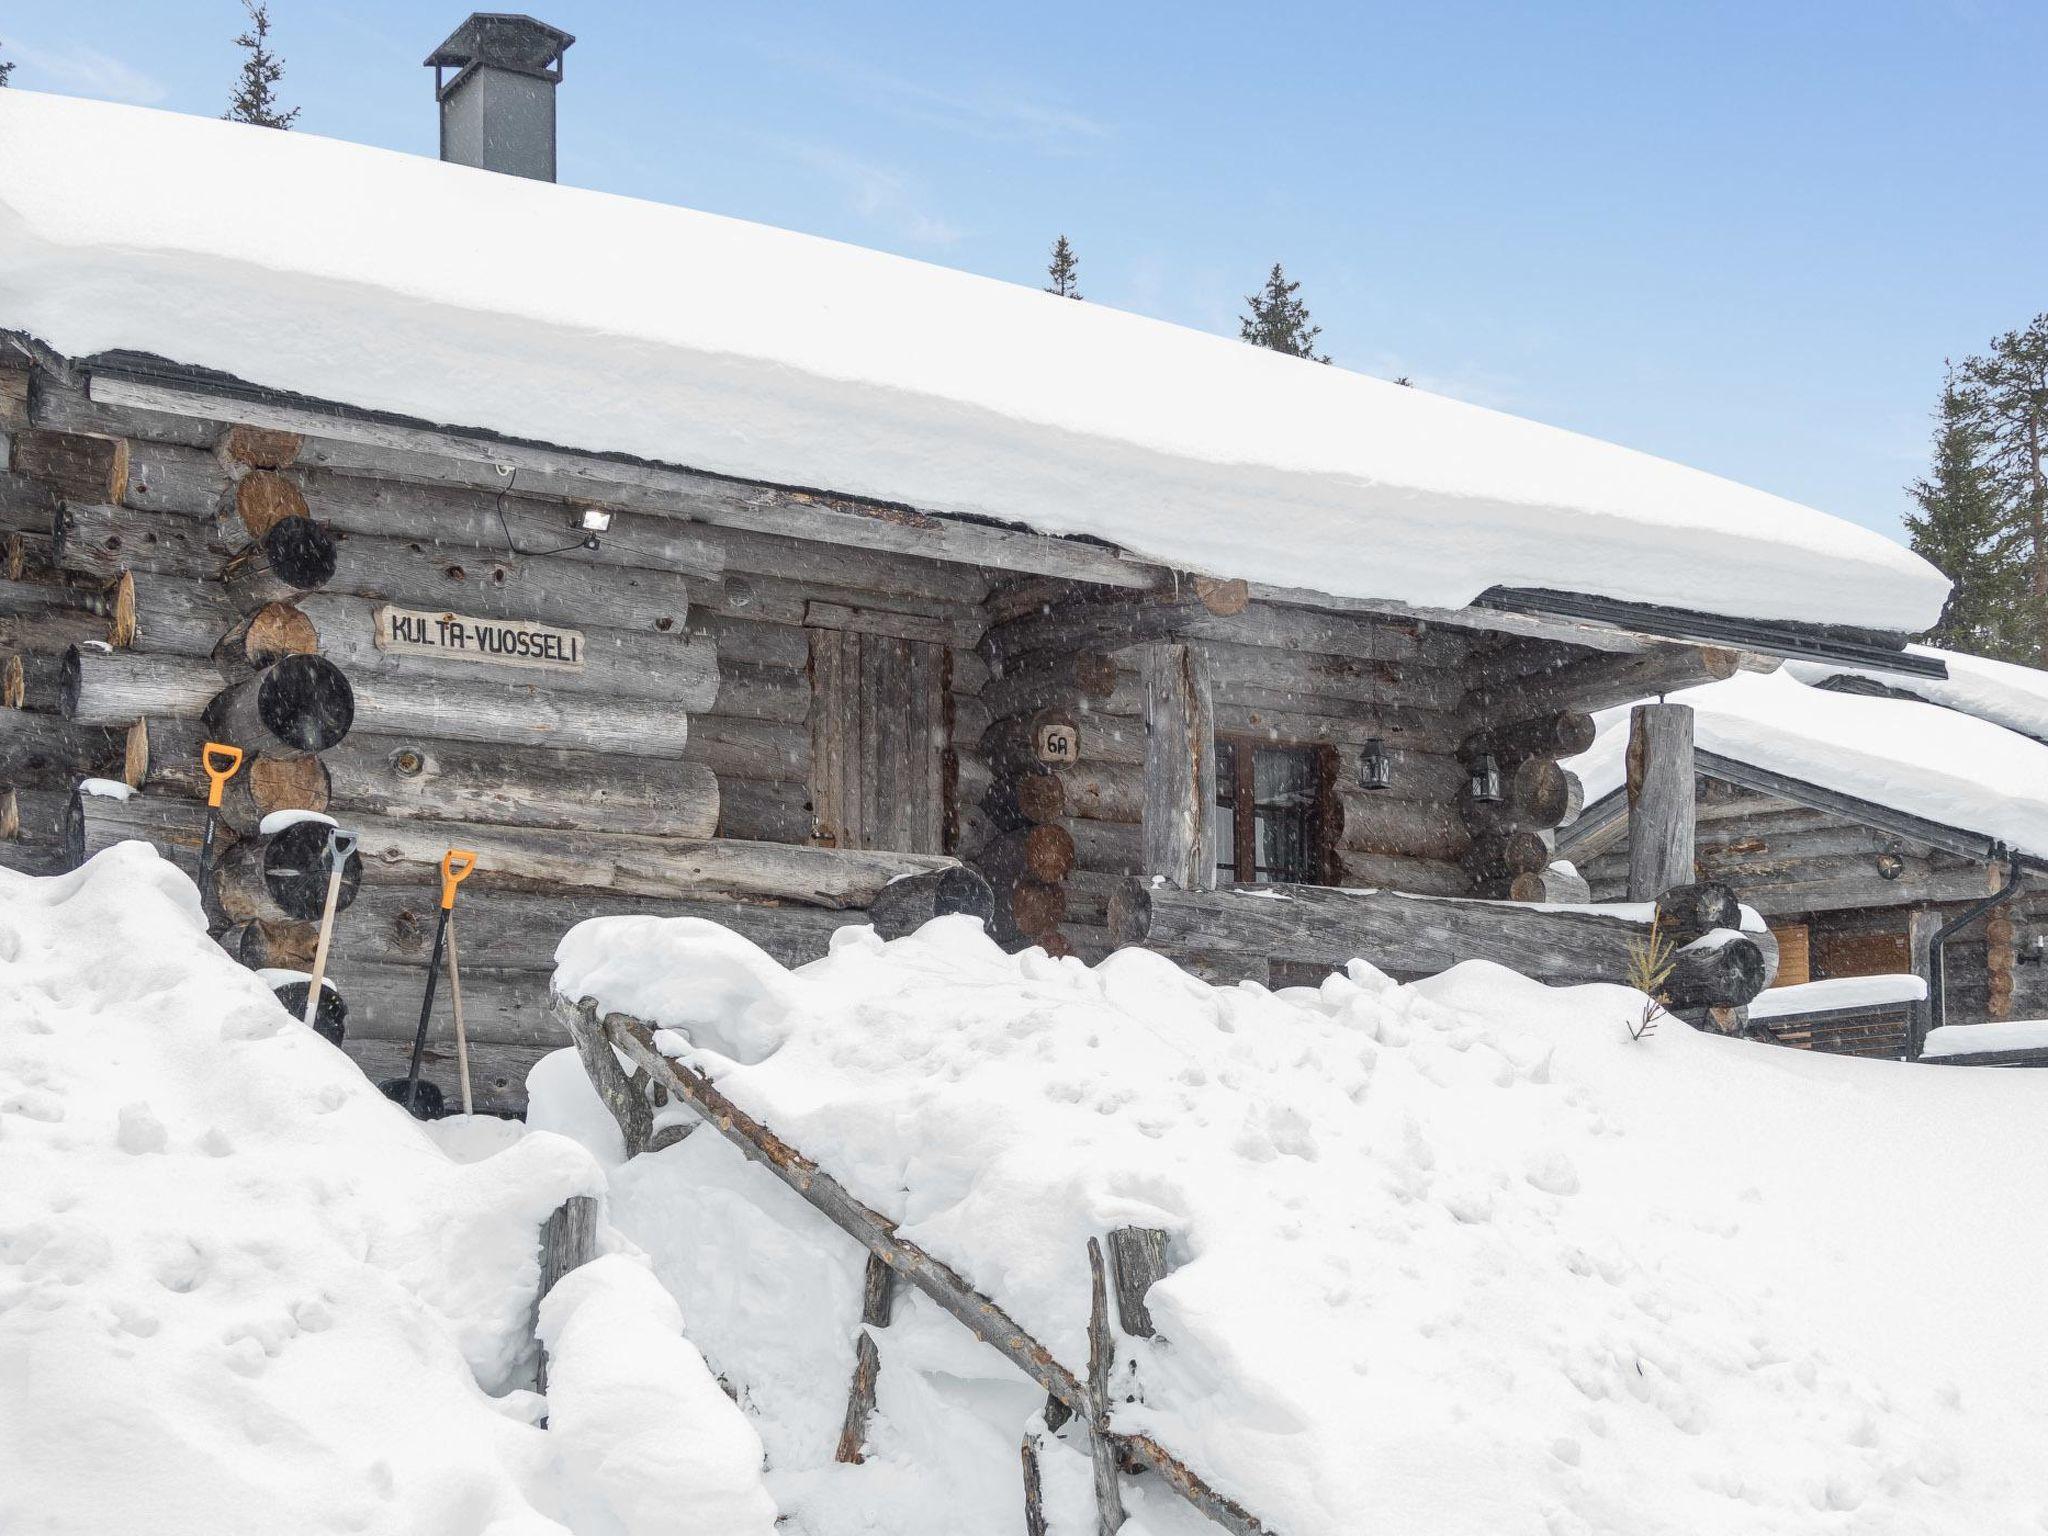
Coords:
653,624
1879,831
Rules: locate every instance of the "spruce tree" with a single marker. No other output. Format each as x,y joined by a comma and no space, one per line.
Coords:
1279,319
1962,529
6,69
255,99
2004,397
1065,270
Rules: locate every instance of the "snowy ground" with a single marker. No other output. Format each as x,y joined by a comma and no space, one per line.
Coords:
1454,1257
242,1292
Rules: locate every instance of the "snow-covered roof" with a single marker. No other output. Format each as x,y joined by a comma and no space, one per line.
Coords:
590,321
1939,764
2002,692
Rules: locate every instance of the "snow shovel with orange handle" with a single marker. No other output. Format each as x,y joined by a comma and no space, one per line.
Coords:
456,864
340,845
221,762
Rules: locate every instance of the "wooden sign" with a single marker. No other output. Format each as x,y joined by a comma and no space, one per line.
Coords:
1059,744
495,642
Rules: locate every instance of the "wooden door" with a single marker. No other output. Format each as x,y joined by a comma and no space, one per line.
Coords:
878,739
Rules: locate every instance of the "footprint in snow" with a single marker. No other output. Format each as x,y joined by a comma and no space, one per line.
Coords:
141,1131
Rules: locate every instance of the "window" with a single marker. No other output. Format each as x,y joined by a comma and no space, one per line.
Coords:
1266,823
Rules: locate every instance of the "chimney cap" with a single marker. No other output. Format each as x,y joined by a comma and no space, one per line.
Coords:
503,40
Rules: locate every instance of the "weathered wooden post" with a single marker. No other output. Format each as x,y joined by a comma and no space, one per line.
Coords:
1109,1497
1180,767
1660,799
876,1304
568,1240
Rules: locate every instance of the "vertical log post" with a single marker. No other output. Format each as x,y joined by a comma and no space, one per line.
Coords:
1180,767
1660,799
1138,1259
568,1240
1109,1497
877,1300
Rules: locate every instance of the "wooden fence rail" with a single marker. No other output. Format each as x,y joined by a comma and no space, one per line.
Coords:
599,1036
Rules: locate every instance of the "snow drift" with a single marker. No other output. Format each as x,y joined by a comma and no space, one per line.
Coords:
1455,1257
242,1292
388,281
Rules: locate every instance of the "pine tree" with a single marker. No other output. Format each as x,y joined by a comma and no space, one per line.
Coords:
1961,528
6,69
255,99
1064,270
1279,319
2004,397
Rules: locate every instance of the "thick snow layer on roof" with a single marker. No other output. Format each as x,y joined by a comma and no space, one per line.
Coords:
599,322
1932,762
1982,1039
241,1291
1448,1256
2002,692
1837,992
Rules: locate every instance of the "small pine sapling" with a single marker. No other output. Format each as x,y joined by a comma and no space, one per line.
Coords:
1650,963
6,69
255,99
1065,270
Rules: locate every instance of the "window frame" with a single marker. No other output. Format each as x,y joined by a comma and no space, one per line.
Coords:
1236,777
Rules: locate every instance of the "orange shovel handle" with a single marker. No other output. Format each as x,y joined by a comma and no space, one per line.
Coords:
456,864
221,762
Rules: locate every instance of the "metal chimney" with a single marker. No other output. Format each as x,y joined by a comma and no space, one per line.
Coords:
498,112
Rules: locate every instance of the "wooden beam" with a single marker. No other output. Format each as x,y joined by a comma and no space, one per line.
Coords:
1180,767
1660,799
1600,682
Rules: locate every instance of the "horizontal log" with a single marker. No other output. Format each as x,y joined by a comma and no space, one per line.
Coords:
763,810
1093,623
756,643
500,714
514,929
1506,854
680,670
1088,896
556,589
178,480
522,786
1087,942
1716,973
32,680
1103,791
1013,743
1560,733
1108,847
867,619
884,572
61,403
1248,674
43,751
35,816
107,687
498,525
762,750
760,693
497,1072
499,1007
1393,872
100,541
907,903
26,506
1603,681
1551,884
297,705
1369,821
629,864
53,632
79,466
174,826
282,878
1419,935
1051,682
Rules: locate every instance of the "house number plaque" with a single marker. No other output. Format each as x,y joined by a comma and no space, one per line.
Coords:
1059,744
493,642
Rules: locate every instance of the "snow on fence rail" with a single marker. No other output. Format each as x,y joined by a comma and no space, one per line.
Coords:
601,1038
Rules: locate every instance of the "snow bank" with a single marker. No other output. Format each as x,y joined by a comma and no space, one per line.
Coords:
1933,762
1838,992
240,1291
381,280
1449,1255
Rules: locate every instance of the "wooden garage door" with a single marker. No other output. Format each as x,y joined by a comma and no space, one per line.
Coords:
878,738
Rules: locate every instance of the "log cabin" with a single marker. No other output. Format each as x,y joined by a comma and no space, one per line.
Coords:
1887,829
677,564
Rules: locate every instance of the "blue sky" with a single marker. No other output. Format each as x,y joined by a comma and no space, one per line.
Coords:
1739,235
